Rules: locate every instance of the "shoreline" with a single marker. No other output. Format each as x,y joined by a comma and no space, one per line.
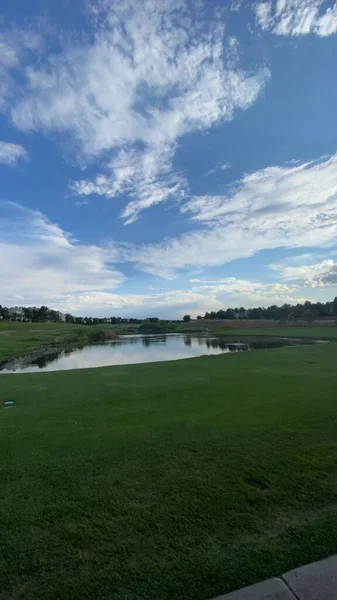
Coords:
40,350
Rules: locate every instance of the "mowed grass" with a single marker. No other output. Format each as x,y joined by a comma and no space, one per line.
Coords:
179,480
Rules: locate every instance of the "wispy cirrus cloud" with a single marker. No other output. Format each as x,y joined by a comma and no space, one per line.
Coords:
16,48
297,17
220,166
143,175
167,71
290,206
11,154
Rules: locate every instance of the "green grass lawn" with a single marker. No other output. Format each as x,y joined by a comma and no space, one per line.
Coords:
179,480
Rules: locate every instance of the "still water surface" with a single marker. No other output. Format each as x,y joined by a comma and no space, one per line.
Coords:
131,349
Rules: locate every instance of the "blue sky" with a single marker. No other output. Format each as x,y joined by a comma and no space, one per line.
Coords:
163,158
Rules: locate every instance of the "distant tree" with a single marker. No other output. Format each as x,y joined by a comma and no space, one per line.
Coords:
43,313
334,307
221,314
149,326
4,312
28,312
319,309
272,312
254,313
308,311
54,316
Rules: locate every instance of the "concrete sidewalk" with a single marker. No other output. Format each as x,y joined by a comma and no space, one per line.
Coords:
317,581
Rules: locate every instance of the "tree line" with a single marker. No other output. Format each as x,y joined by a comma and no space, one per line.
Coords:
44,314
307,310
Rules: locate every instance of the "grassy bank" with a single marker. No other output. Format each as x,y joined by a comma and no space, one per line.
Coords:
309,332
313,331
164,481
21,338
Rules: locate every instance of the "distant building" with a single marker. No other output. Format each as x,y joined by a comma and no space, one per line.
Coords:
240,314
16,313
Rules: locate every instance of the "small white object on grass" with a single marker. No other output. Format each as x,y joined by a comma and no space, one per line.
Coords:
9,403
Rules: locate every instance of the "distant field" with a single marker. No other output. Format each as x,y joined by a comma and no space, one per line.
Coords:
316,330
310,332
237,323
164,481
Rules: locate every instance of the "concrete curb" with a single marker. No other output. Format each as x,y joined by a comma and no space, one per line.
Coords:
317,581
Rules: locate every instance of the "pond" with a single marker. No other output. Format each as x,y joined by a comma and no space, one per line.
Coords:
131,349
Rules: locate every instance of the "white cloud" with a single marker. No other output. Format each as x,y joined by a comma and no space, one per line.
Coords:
218,167
327,24
171,304
153,72
177,302
242,287
42,261
306,258
145,176
313,275
263,14
230,292
10,154
297,17
291,206
45,265
15,47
